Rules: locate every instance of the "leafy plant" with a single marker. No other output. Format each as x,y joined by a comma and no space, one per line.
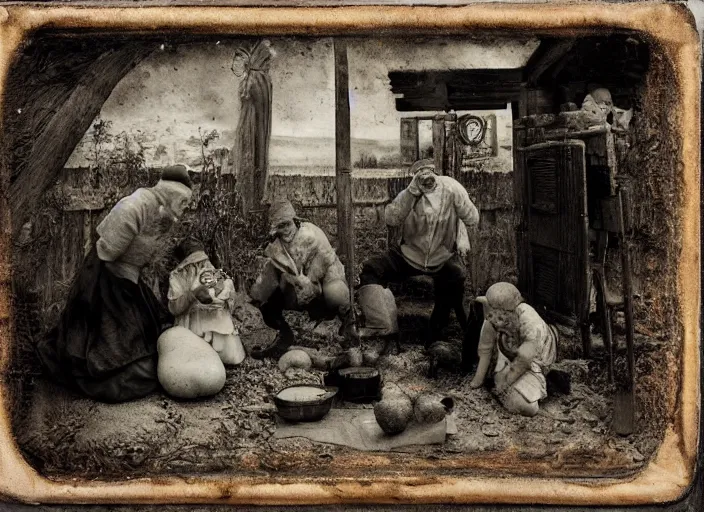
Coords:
117,162
230,240
99,140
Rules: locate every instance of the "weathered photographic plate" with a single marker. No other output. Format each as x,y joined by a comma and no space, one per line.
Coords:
566,139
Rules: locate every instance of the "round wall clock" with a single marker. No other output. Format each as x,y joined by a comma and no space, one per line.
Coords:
471,129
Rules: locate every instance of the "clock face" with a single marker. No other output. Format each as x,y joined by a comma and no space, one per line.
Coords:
472,129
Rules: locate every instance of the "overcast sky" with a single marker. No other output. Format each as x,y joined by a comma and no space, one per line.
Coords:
194,87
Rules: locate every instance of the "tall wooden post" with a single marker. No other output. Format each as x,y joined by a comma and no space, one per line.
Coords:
343,165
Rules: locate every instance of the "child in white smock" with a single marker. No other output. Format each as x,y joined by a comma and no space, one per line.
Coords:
202,299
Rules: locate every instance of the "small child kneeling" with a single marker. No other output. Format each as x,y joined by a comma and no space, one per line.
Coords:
527,347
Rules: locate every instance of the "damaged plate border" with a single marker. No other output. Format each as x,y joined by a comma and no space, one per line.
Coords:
670,473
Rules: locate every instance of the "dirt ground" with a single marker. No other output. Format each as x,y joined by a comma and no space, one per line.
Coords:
62,434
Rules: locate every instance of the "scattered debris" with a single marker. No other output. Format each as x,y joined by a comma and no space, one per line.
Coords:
64,434
489,430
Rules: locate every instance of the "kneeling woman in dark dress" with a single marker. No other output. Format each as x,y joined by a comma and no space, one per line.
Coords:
104,344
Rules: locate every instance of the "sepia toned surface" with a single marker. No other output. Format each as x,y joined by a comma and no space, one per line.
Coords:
674,406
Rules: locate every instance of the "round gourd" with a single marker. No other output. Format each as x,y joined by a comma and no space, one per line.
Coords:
188,366
430,409
318,360
393,414
295,359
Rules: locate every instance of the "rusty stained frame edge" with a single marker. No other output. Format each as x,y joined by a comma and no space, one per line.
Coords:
666,478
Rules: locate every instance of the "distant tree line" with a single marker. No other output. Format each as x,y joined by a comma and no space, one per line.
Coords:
371,161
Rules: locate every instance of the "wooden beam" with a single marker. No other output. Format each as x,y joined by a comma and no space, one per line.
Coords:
523,103
458,89
435,105
53,146
439,143
560,65
548,53
343,162
42,78
409,140
454,76
515,110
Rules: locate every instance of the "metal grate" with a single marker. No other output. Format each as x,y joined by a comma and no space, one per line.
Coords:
542,173
545,275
